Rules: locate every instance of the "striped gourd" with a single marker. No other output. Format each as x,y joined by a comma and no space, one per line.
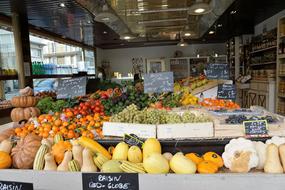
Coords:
57,138
39,159
73,166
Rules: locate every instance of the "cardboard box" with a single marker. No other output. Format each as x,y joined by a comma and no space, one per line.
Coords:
185,130
120,129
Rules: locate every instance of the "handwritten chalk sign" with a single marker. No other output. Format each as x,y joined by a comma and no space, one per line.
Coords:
114,181
256,128
7,185
227,91
158,82
70,88
217,71
133,140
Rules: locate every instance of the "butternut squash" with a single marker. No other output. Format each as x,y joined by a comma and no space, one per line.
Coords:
63,166
39,159
77,153
282,155
50,164
88,163
272,163
6,146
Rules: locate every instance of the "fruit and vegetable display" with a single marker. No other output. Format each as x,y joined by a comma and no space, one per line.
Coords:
4,104
239,119
192,82
132,114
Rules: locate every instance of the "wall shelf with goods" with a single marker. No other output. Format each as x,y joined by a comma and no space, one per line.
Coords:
280,92
185,67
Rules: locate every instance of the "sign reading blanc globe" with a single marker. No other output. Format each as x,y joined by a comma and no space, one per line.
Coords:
217,71
70,88
158,82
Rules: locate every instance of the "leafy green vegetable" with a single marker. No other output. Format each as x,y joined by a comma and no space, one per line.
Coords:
45,104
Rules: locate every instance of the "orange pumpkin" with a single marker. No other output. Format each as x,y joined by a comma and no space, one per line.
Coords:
59,149
23,154
18,114
214,157
196,158
23,101
5,160
207,167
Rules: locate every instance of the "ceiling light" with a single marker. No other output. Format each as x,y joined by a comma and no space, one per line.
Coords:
164,6
62,5
199,8
182,43
219,25
105,16
127,36
187,34
233,12
211,32
104,32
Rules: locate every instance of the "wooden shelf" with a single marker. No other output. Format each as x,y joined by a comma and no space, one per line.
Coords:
264,49
281,75
281,56
281,95
265,63
8,77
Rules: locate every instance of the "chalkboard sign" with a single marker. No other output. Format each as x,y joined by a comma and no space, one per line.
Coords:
7,185
227,91
70,88
133,140
114,181
255,128
158,82
217,71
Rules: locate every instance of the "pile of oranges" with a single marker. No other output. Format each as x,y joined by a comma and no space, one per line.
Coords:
219,104
68,125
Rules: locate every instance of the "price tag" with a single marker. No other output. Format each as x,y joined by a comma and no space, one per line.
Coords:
6,185
114,181
256,128
133,140
217,71
158,82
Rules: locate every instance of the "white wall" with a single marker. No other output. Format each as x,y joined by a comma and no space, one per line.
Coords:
269,23
121,59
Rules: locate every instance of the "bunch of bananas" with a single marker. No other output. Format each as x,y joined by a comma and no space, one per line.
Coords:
130,167
99,160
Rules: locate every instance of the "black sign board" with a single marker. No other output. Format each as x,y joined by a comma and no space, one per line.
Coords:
158,82
255,128
217,71
70,88
7,185
114,181
133,140
227,91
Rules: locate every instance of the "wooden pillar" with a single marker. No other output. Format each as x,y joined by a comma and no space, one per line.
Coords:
22,42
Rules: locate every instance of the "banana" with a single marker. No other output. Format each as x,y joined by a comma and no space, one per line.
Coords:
132,167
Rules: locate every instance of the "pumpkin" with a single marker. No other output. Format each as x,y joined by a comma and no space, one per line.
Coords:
207,167
24,153
23,101
5,160
7,133
214,157
19,114
196,158
28,91
59,149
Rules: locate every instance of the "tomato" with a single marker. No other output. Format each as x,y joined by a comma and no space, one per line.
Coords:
97,109
102,113
85,108
76,108
87,104
101,107
97,103
92,107
81,104
75,112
